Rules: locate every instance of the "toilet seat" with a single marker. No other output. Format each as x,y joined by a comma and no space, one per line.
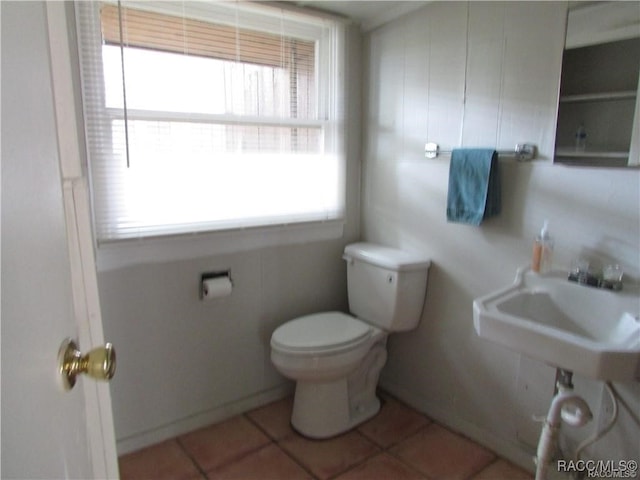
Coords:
321,333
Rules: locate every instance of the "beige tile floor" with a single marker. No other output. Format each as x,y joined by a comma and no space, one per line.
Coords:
397,444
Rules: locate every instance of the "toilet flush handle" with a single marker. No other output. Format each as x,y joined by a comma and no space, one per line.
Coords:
348,259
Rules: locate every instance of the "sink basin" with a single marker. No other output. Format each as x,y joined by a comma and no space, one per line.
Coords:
590,331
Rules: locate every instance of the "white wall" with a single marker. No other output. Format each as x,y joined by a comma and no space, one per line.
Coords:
184,363
418,69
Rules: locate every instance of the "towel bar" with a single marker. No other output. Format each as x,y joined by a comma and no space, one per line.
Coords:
523,152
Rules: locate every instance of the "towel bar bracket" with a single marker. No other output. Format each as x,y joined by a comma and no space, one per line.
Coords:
431,150
522,152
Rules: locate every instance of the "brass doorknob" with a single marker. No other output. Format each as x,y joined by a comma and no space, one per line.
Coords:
99,363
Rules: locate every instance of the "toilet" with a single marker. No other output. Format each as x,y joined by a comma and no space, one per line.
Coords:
336,358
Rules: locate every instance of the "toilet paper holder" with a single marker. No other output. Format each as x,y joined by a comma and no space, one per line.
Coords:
209,275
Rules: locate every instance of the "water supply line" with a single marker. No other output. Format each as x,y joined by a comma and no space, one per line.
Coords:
567,407
598,435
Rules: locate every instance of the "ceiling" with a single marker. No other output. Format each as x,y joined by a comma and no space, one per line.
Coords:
368,13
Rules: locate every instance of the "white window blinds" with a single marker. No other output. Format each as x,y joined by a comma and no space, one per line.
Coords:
225,115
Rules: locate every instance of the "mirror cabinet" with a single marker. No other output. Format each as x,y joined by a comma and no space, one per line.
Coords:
599,103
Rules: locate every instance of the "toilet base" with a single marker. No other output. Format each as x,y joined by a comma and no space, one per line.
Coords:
321,410
325,409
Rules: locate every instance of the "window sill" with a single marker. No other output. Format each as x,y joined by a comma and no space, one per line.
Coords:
112,256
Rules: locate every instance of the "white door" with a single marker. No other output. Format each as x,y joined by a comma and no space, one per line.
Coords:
49,288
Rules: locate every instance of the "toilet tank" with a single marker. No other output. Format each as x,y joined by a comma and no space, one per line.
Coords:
386,286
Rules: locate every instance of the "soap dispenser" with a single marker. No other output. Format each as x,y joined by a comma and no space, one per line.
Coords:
542,250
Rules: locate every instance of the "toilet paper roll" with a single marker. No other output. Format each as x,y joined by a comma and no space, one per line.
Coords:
216,287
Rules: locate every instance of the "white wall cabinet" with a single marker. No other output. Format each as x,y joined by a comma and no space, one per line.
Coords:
599,86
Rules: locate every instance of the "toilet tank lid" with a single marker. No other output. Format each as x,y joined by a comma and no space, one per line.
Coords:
386,257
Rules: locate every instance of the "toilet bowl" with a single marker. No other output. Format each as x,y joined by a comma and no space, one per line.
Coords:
322,346
336,358
325,353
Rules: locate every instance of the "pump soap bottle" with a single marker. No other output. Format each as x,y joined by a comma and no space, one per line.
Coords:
542,250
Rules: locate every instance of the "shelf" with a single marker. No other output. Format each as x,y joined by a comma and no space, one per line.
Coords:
598,97
573,153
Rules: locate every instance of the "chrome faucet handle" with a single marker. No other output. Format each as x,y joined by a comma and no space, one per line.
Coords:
612,277
582,273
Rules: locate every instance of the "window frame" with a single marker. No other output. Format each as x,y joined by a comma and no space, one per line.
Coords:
330,115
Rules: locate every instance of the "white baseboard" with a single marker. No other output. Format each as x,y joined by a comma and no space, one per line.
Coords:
200,420
514,452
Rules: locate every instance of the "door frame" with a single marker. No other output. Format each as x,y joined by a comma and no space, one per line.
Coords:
84,282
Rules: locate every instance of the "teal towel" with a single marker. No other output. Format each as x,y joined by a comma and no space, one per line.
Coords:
474,185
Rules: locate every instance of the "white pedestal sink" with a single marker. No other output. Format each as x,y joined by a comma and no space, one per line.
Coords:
590,331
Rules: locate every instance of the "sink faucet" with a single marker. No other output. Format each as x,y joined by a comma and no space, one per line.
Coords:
610,277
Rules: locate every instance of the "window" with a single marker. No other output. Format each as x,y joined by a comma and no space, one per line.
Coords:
206,116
